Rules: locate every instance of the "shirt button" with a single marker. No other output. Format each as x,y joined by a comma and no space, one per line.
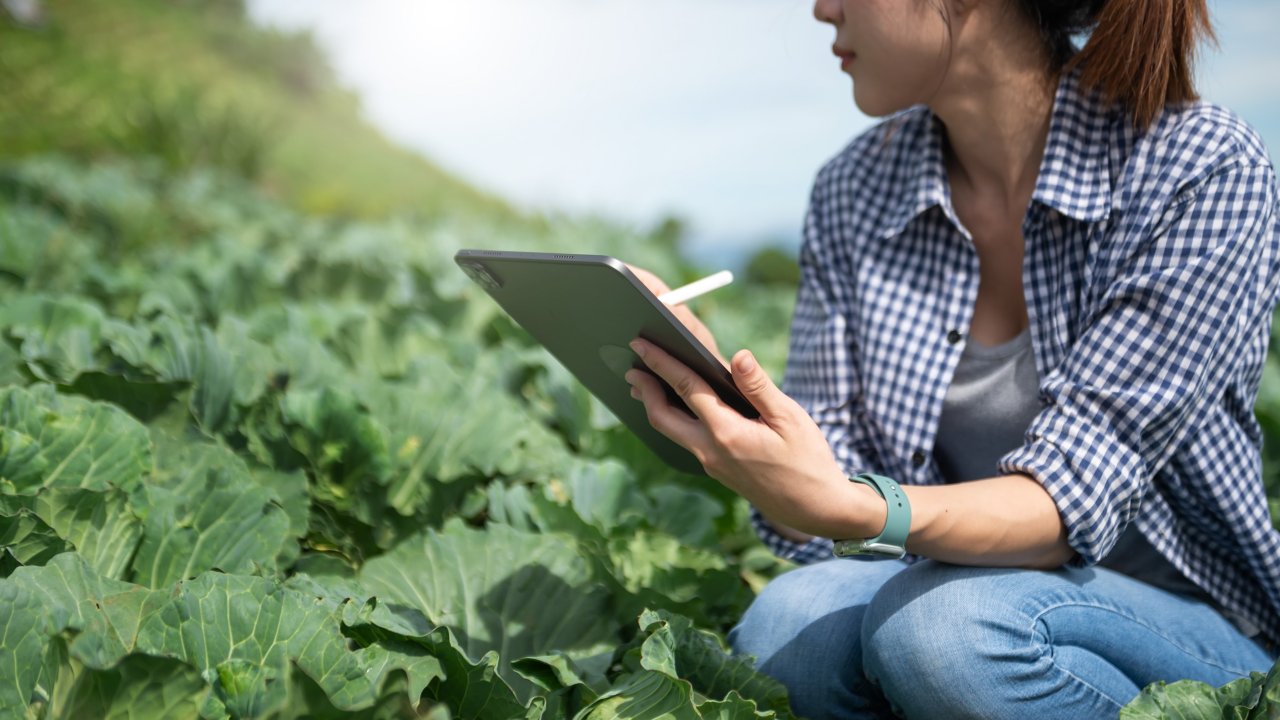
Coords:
917,458
954,336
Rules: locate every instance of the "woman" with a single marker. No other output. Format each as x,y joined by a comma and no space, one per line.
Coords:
1050,275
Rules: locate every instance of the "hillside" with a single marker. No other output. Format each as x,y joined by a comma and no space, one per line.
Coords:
194,83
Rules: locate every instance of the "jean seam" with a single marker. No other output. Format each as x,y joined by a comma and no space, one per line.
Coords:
1054,662
1141,623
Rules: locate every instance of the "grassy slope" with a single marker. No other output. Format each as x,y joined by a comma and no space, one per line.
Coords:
196,83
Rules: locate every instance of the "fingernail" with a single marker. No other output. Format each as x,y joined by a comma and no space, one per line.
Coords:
639,347
747,363
630,377
635,392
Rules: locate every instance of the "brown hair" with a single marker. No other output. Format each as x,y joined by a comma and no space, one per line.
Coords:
1140,53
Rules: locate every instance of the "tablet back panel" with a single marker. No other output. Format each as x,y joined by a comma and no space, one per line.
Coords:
585,309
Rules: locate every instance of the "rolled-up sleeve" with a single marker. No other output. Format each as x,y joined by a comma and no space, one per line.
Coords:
1179,298
821,372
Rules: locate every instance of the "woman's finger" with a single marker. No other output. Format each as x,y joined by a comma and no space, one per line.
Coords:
683,313
689,386
673,422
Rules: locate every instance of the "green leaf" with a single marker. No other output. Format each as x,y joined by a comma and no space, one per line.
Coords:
101,526
103,613
606,494
687,514
455,425
241,633
733,707
24,536
213,400
703,659
673,664
1253,698
433,659
22,467
347,448
10,366
38,604
139,688
82,443
552,673
475,689
567,691
203,511
685,576
1184,700
22,654
501,589
649,569
58,337
645,695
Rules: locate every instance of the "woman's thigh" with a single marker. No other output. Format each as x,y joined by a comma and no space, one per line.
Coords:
805,628
945,641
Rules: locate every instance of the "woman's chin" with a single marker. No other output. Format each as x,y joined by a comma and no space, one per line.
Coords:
873,104
869,106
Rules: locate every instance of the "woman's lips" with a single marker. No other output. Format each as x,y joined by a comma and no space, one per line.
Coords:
846,56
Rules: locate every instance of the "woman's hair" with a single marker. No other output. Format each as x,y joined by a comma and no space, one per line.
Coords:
1139,53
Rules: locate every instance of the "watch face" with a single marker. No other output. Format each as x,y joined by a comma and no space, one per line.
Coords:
846,548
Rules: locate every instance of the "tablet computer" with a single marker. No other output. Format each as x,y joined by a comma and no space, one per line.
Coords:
585,309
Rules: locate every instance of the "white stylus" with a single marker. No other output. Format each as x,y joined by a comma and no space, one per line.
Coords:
697,287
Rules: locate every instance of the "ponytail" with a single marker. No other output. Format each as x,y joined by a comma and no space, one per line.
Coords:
1140,52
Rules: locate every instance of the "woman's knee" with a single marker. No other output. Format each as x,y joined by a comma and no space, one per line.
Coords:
933,637
804,630
823,602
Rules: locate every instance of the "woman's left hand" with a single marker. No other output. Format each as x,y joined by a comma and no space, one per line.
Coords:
780,462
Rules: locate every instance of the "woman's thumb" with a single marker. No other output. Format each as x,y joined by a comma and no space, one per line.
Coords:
755,384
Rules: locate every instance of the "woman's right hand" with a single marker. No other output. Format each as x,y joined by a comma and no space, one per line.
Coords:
700,331
691,321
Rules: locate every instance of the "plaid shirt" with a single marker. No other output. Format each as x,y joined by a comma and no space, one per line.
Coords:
1151,270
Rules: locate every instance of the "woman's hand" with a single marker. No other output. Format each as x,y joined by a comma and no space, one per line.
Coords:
780,462
691,321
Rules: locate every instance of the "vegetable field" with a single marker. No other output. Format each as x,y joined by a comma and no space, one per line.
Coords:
265,452
286,467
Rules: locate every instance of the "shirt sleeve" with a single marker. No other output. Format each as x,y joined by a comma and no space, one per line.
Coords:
821,372
1180,300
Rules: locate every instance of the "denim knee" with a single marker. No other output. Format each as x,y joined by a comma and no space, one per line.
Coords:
805,631
944,641
933,637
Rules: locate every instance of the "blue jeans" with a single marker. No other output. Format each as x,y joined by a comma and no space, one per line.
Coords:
865,639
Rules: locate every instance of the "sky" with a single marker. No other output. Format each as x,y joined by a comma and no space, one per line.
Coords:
719,112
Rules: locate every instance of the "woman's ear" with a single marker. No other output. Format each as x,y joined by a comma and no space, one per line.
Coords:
959,10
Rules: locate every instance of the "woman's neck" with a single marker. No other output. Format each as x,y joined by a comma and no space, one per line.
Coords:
996,104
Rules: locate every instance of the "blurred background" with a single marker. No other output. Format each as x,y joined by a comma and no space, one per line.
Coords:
708,119
716,112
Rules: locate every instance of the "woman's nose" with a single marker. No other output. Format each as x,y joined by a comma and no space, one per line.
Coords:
827,11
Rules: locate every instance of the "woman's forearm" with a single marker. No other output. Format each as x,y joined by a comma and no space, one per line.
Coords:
1006,521
788,532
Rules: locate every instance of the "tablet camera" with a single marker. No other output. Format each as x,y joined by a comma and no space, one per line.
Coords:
482,275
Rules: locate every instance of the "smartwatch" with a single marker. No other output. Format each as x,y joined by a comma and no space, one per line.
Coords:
892,541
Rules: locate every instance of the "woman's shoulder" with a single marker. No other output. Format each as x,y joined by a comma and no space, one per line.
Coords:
1186,147
1207,128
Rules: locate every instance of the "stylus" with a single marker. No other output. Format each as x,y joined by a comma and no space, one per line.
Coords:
688,292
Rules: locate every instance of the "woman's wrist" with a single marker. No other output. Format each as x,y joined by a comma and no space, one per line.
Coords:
859,512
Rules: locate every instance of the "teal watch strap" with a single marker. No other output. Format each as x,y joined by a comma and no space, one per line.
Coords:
892,541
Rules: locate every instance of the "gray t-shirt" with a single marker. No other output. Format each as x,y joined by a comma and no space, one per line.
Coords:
993,397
